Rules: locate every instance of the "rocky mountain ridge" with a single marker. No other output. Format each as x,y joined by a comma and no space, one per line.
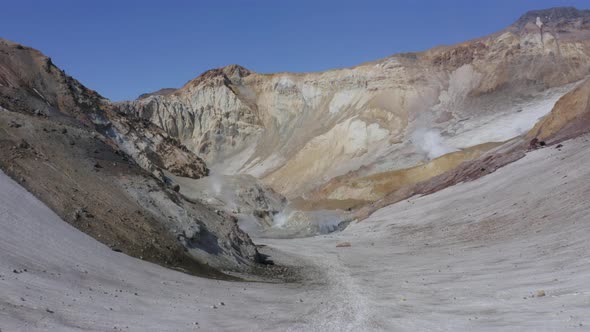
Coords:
297,132
106,173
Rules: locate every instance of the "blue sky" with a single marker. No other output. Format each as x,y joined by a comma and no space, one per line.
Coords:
124,48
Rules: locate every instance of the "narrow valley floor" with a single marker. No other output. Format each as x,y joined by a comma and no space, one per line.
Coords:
508,251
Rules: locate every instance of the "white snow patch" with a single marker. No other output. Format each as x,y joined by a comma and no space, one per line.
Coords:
506,125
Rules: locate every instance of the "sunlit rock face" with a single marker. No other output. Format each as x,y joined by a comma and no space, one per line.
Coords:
106,173
300,131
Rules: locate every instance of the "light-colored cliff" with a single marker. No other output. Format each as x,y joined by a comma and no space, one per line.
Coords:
299,131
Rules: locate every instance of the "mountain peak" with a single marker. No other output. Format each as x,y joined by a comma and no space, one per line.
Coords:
554,16
161,92
235,69
229,74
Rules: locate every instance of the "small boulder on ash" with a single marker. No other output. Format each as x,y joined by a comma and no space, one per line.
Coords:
23,144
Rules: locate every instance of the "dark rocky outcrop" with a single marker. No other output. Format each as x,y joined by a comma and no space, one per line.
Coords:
104,172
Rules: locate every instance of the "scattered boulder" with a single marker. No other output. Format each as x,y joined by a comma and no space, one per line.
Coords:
535,143
343,245
23,144
81,212
540,293
116,249
77,214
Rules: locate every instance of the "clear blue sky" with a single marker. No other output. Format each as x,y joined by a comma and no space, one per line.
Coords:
124,48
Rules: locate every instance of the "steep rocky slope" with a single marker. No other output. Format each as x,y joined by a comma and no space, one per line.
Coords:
508,251
356,138
298,132
30,83
104,172
569,118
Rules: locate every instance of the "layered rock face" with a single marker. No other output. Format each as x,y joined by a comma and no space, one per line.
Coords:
303,133
31,83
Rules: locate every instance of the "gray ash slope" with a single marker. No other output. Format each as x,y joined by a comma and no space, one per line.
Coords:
508,251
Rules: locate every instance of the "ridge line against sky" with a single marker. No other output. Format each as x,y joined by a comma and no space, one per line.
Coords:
125,48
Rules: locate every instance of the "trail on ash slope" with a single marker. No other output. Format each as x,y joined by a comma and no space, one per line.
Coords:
510,250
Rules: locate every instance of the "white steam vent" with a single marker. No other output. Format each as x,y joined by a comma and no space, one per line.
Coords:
430,142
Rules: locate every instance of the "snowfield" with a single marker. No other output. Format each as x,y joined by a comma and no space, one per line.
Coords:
508,251
509,123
